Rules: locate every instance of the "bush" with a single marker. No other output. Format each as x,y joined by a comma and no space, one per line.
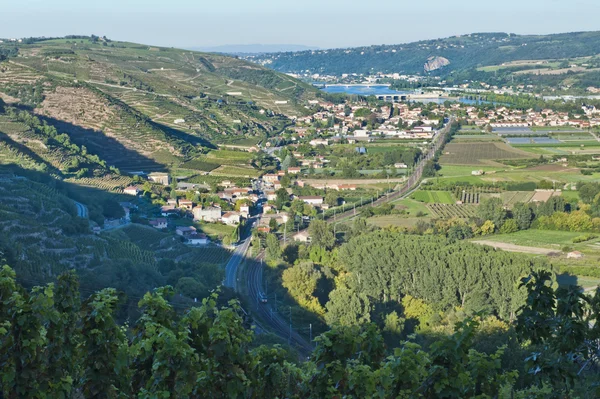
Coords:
583,238
510,226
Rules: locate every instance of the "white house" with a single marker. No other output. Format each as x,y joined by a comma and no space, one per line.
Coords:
231,218
160,223
185,230
162,178
317,142
400,165
209,214
271,177
245,210
361,133
301,237
132,190
198,239
314,200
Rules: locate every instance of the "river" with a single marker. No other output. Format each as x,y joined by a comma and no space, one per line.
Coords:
384,90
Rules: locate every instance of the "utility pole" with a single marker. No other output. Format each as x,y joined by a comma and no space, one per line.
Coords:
310,331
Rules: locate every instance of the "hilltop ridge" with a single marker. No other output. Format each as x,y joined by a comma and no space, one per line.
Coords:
462,52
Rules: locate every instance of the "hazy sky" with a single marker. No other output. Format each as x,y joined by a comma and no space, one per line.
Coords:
322,23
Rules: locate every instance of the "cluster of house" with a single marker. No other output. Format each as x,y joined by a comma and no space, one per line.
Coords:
190,233
208,213
389,127
506,117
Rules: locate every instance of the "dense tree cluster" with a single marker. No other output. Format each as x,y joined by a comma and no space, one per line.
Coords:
54,345
384,267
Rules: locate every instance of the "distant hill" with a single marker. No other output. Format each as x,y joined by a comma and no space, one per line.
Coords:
461,52
253,48
144,108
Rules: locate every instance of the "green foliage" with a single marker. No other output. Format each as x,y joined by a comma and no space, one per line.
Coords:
207,351
321,234
386,266
273,247
492,209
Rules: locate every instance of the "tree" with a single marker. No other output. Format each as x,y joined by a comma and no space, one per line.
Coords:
523,215
301,281
273,224
273,248
430,169
487,228
347,308
321,234
282,198
332,198
492,209
112,210
510,226
588,191
286,181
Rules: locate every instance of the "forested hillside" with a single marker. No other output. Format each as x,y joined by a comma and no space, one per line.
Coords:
462,52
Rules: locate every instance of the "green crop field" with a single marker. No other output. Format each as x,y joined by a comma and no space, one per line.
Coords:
238,157
433,197
228,170
447,211
396,221
479,153
411,206
538,238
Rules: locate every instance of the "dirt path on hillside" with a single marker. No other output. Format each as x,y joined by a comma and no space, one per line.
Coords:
517,248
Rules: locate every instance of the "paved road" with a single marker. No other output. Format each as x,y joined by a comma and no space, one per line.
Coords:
82,210
231,268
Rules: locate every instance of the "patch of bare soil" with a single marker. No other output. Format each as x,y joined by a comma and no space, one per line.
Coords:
516,248
76,105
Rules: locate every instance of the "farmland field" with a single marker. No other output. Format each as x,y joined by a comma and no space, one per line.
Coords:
450,174
433,197
479,153
412,207
223,156
447,211
228,170
538,238
396,221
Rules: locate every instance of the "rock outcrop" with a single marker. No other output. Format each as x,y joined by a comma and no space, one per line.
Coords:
434,63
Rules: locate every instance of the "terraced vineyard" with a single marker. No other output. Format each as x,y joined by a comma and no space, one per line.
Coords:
113,183
168,246
447,211
144,108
